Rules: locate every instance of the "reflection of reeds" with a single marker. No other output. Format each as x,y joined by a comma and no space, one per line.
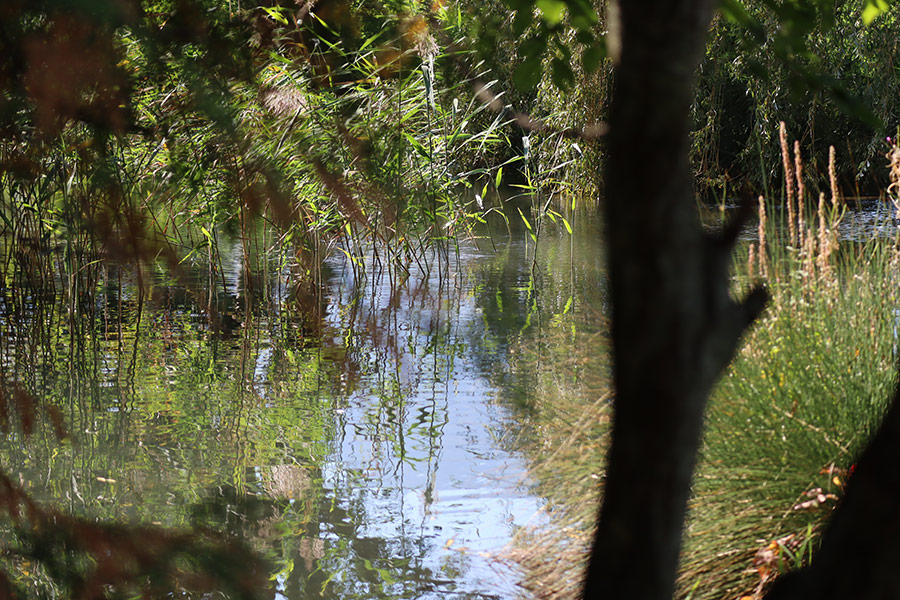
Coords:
571,416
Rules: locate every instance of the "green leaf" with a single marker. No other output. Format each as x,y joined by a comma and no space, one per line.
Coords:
873,10
528,74
553,11
593,56
562,74
533,46
275,14
519,5
735,12
527,224
524,19
498,178
584,37
582,14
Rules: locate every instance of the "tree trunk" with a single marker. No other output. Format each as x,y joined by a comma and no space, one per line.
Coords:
674,326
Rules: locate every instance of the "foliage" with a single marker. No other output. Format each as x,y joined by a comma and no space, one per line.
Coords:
822,68
336,127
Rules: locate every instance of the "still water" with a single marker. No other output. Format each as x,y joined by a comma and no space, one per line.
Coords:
366,442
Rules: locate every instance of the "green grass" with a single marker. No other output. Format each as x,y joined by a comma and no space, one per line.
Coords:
797,404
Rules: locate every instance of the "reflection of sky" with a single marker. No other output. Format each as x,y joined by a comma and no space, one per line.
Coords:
455,495
411,460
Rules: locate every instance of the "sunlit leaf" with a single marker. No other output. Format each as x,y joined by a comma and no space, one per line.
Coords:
553,11
874,9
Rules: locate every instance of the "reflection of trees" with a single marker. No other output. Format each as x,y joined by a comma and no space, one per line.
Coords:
239,426
527,311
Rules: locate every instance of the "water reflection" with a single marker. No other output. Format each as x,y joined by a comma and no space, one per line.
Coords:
352,439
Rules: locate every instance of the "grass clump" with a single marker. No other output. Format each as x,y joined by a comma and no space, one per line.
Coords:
800,400
784,424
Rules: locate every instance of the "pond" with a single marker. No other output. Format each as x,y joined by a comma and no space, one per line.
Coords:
366,441
372,441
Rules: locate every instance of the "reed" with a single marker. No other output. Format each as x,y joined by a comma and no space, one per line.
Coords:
361,146
798,402
808,386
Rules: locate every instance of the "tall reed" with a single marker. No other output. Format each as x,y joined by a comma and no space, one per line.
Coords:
799,401
784,423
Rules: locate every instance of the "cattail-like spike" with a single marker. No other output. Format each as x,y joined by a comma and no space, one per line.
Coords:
763,248
823,236
801,194
751,262
832,178
788,181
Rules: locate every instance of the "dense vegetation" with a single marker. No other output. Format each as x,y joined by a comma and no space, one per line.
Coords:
832,80
140,134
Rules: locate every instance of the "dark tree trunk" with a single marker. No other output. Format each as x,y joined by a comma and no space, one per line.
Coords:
674,326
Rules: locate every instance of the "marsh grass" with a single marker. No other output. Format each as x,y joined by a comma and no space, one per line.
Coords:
799,401
352,145
784,424
788,418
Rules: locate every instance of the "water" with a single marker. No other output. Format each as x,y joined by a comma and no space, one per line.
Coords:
361,441
366,442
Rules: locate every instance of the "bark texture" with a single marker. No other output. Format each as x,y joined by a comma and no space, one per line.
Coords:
674,326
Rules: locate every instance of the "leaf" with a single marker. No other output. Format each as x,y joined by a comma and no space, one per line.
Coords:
524,19
528,74
735,12
873,10
562,74
498,178
582,14
553,11
521,214
519,5
533,46
275,14
593,55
